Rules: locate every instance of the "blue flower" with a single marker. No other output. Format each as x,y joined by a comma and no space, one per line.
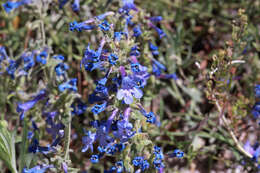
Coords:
78,108
177,153
158,30
128,90
253,150
37,169
154,49
158,160
137,161
168,76
134,51
110,149
102,134
30,135
80,26
70,85
24,107
129,20
88,141
13,65
105,26
35,148
9,5
91,59
75,5
158,68
257,91
61,69
28,61
137,31
62,3
96,109
112,58
104,15
124,130
118,35
94,158
41,58
55,128
156,18
145,165
129,5
59,57
256,110
119,166
3,54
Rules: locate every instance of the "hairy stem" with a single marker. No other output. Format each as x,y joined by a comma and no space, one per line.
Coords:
67,138
232,134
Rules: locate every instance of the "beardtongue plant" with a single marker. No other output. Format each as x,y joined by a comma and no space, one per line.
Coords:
124,73
117,137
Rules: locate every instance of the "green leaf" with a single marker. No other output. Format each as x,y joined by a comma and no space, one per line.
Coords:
7,147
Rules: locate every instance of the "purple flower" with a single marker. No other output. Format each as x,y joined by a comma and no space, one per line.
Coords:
75,5
24,107
102,134
65,167
37,169
129,5
54,129
70,85
253,150
128,89
88,141
124,128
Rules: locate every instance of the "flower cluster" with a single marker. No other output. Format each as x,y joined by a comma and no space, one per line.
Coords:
256,108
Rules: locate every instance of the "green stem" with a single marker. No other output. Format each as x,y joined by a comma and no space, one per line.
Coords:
24,146
67,138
